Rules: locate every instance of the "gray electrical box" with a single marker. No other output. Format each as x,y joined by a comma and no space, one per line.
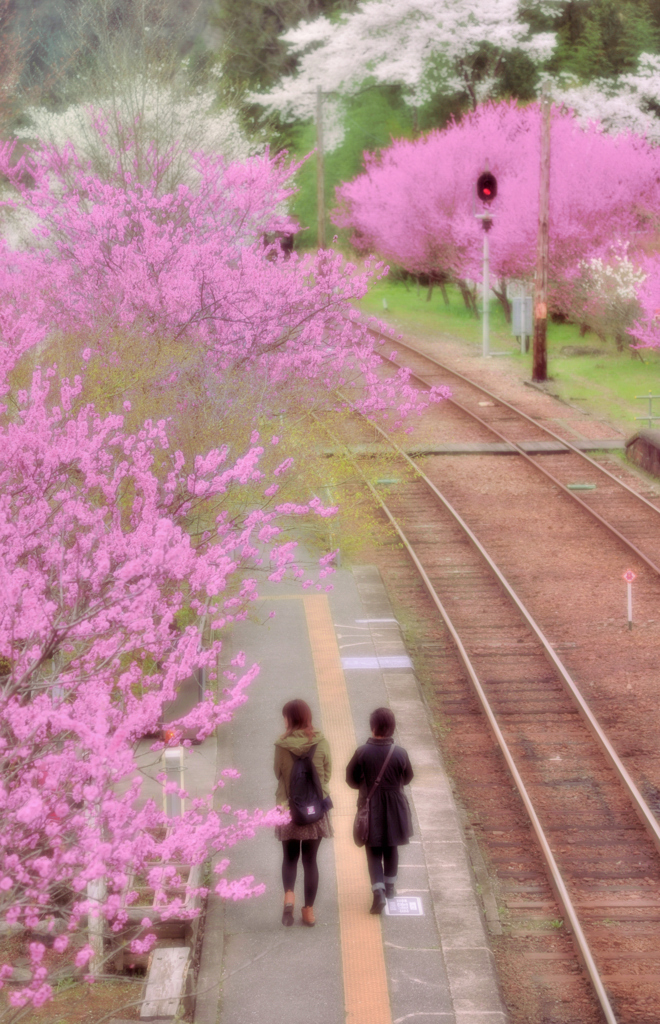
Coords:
521,317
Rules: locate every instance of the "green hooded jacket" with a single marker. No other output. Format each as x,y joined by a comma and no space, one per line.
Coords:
299,743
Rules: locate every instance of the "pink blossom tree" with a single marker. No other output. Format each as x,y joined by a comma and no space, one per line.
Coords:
111,256
646,328
99,558
96,566
415,202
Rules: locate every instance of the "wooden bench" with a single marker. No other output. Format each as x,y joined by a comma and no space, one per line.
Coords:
166,982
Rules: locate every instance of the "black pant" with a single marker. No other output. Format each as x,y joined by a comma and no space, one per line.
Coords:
291,848
383,862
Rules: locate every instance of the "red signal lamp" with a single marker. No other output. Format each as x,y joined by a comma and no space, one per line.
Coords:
487,187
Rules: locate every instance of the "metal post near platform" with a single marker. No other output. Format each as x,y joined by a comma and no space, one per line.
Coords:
200,679
320,170
486,223
648,398
173,758
522,322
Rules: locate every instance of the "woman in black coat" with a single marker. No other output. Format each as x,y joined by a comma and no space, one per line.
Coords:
390,825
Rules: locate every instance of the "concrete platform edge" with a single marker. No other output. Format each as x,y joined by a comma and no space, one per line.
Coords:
467,955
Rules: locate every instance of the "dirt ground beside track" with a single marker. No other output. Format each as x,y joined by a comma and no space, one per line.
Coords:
568,572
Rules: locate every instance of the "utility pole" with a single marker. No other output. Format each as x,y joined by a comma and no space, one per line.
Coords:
540,352
320,157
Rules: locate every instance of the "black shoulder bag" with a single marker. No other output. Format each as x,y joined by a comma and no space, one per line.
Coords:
361,823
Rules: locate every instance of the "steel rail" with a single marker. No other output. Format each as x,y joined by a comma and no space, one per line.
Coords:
514,444
642,809
557,883
513,408
546,472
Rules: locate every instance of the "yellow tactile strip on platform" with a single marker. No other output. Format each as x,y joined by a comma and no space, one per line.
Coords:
365,978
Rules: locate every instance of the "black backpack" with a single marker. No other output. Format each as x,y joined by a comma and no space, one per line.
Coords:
305,793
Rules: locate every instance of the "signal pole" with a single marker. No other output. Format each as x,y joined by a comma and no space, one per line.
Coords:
486,224
486,192
540,352
320,157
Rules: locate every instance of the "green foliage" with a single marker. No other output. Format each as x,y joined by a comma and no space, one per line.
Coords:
410,309
602,38
607,384
373,119
439,110
201,411
519,77
589,59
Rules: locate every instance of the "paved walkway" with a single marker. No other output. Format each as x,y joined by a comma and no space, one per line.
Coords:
342,653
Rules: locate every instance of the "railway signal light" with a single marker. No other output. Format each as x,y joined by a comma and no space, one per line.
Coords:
486,187
486,190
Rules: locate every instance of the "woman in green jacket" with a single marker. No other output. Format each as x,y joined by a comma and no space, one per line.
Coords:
297,740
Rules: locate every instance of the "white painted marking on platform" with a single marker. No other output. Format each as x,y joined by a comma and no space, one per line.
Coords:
414,949
428,1013
375,620
393,661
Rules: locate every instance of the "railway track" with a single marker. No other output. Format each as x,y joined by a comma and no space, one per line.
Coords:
586,812
627,515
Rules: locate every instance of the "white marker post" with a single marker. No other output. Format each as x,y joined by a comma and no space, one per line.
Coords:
629,576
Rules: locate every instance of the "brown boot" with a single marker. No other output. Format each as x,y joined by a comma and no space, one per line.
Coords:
287,913
308,916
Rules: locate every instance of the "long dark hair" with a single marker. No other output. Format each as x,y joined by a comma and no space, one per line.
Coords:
299,717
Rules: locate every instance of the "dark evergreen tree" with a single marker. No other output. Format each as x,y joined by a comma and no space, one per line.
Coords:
602,38
252,53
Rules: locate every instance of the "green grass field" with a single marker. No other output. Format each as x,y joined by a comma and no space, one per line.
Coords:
606,384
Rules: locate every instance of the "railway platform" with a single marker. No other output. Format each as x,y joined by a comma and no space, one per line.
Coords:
343,653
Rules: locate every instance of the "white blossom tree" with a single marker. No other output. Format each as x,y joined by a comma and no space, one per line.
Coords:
130,104
174,120
136,127
623,103
427,47
604,294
